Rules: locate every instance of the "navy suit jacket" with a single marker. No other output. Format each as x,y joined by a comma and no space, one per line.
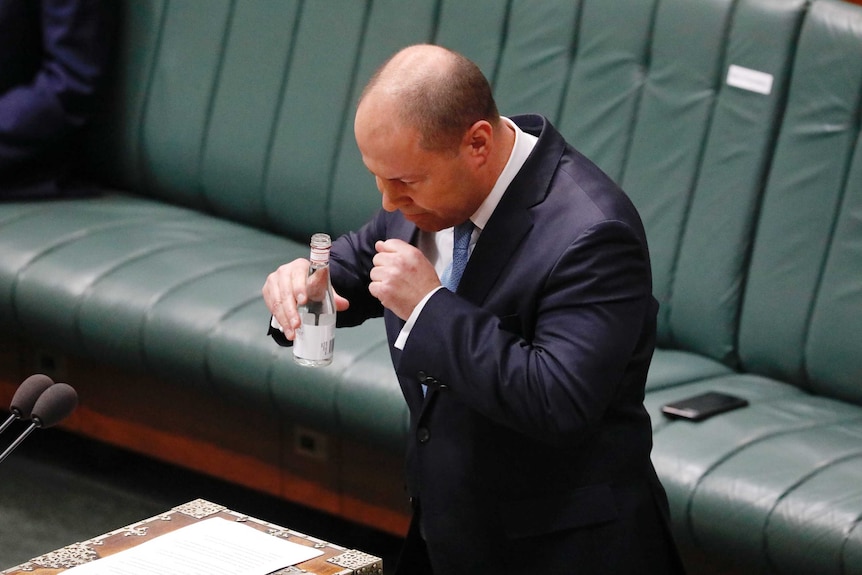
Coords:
53,55
530,452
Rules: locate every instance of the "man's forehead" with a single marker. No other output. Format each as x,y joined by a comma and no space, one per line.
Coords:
394,165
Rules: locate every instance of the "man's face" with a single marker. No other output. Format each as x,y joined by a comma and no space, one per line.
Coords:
433,189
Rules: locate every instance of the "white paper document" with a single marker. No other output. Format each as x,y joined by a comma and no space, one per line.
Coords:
211,547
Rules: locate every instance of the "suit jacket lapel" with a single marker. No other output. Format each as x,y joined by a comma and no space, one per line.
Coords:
497,243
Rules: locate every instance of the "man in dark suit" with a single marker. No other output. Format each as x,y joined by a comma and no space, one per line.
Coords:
53,55
529,443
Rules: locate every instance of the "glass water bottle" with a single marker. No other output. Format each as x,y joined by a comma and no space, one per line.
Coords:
315,338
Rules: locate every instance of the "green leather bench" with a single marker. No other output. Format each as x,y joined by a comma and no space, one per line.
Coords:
226,141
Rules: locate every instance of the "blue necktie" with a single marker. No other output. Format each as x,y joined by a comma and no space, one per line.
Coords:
460,255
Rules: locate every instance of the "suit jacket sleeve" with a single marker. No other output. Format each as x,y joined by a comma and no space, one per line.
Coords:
553,368
58,99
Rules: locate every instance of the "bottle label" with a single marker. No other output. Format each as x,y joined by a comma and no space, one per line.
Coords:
315,342
319,255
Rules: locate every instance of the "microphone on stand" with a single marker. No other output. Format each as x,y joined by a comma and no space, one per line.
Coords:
55,404
25,398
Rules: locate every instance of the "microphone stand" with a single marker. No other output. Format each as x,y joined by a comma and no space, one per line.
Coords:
8,422
18,441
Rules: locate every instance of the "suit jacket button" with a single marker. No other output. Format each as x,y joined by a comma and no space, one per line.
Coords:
426,379
423,435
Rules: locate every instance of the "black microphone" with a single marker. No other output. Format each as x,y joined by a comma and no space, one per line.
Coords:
54,405
25,398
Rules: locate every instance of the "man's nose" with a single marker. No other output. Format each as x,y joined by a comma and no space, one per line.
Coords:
392,194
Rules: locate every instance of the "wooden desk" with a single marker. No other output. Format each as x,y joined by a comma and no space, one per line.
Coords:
335,560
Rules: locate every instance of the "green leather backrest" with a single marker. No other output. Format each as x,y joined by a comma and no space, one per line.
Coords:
802,303
648,100
536,59
244,109
598,112
710,269
673,121
834,347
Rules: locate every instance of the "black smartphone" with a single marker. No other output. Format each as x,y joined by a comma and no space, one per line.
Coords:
699,407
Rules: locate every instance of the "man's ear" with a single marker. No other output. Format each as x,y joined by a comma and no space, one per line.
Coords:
478,140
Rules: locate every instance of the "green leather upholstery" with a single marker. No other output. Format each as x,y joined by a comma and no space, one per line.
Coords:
833,364
801,202
761,471
227,140
710,269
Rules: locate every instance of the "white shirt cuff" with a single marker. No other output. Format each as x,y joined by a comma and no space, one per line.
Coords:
405,331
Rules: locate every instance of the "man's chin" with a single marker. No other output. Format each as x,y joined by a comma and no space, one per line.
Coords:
424,222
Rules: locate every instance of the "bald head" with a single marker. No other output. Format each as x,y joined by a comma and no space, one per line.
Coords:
434,90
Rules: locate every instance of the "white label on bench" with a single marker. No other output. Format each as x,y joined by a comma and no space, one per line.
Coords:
748,79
